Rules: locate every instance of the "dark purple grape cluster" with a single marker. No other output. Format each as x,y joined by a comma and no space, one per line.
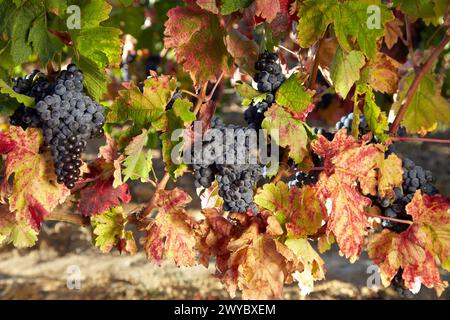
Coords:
398,284
307,178
236,184
268,79
25,117
236,178
35,85
203,161
302,178
68,118
347,121
269,76
414,178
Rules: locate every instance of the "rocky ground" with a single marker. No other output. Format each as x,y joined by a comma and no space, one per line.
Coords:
43,272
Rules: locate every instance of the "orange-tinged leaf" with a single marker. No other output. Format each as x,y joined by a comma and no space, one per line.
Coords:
382,74
299,209
170,234
352,169
198,41
258,265
390,176
393,32
433,215
267,9
243,50
313,267
347,220
408,251
34,191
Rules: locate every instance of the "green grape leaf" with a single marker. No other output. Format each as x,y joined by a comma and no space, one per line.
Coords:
21,98
230,6
138,159
351,19
376,119
109,231
95,79
427,107
144,109
177,118
17,232
100,44
345,70
429,10
287,131
249,94
293,95
43,42
198,40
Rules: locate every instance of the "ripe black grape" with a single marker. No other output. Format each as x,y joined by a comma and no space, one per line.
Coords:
236,177
414,178
67,117
268,78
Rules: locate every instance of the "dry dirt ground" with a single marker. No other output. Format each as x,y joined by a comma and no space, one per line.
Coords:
45,271
42,272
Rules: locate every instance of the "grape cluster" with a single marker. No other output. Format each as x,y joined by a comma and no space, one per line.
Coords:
25,117
235,180
398,284
67,117
307,178
347,121
268,78
236,184
203,162
414,178
35,85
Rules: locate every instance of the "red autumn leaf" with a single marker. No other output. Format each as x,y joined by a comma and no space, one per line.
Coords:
417,250
267,9
6,143
352,169
408,251
29,183
171,233
213,234
433,215
198,41
102,196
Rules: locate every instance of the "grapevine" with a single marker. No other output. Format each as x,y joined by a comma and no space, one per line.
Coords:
290,133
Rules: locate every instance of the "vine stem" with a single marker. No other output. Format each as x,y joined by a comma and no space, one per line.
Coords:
409,40
161,186
283,167
388,218
209,97
420,139
315,67
68,217
422,71
201,98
